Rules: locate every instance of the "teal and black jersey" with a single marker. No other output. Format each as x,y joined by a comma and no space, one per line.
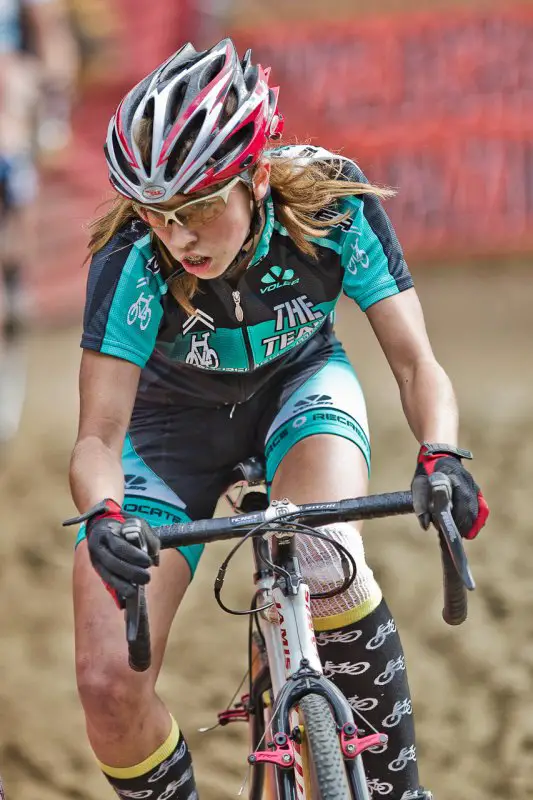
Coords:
240,335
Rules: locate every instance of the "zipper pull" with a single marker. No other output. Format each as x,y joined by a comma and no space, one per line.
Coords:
238,308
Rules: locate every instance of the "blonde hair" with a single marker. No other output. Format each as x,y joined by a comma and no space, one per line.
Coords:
299,190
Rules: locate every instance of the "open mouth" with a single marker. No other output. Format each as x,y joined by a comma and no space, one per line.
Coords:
193,263
196,259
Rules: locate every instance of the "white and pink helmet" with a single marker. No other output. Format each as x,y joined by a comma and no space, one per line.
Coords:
210,117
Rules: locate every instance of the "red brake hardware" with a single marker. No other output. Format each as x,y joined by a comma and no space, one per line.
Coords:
352,746
239,712
280,752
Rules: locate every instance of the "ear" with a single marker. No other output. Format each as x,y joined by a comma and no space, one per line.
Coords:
261,179
141,213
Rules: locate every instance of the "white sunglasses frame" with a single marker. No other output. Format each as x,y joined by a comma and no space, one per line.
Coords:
171,215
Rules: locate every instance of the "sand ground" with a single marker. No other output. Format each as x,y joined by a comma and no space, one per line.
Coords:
471,686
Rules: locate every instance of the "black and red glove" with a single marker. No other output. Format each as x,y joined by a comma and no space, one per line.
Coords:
122,548
469,507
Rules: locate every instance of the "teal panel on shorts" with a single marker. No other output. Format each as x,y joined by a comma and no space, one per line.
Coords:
330,402
149,497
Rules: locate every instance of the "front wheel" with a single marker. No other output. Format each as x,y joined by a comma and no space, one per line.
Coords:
322,750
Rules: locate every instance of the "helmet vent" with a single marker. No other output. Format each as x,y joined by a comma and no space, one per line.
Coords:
145,139
250,78
210,72
175,104
183,145
239,141
122,162
230,106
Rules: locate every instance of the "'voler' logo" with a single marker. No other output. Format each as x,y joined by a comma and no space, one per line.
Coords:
276,277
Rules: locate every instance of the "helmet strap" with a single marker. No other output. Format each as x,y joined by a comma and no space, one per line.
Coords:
256,226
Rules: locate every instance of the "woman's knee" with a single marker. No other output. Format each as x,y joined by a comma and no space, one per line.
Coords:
112,694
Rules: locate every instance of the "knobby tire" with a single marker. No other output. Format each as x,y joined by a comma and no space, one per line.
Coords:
323,749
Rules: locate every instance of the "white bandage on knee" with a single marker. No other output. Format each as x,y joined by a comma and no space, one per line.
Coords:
322,569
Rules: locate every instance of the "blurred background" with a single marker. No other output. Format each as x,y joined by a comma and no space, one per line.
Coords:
435,99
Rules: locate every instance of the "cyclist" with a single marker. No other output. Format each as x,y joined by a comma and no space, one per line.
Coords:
37,68
208,338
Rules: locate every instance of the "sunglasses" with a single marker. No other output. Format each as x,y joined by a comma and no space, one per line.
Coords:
192,214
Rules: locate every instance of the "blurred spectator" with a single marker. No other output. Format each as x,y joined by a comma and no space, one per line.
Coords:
96,26
203,22
38,64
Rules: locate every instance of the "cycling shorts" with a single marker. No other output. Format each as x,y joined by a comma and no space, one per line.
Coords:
178,460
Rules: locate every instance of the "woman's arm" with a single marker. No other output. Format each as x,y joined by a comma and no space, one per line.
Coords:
429,404
108,387
427,395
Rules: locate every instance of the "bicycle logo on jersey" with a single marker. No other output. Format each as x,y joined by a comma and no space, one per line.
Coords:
140,309
359,257
201,354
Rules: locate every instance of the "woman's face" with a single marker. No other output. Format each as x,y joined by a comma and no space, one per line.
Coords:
207,250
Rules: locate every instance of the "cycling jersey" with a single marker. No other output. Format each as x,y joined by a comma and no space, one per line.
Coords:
239,336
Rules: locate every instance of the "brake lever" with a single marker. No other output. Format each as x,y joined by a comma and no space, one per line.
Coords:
441,511
133,614
134,603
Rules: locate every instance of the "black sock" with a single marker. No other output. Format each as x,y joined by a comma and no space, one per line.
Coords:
365,661
166,774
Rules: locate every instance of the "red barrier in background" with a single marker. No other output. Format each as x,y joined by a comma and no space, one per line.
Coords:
437,105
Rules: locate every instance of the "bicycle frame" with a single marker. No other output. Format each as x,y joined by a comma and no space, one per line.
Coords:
295,669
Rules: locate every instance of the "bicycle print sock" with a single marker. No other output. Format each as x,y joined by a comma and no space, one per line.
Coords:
166,774
365,661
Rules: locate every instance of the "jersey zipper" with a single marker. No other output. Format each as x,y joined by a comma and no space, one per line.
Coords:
239,316
239,313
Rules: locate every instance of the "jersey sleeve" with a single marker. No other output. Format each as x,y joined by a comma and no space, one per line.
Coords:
123,307
372,258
